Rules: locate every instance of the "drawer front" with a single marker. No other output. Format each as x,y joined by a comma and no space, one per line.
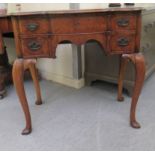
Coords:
33,25
62,25
90,24
35,47
78,24
122,43
123,22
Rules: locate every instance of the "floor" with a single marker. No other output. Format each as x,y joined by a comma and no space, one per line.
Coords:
85,119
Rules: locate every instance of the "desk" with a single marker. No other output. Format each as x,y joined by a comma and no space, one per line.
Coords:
5,69
37,35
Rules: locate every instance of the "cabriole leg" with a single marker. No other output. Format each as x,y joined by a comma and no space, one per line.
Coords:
31,65
138,61
121,77
19,66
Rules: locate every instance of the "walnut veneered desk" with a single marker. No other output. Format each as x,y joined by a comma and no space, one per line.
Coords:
37,35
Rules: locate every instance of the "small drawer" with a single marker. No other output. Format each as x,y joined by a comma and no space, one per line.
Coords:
122,43
123,22
35,47
33,25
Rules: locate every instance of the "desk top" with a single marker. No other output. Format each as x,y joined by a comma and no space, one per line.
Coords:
75,11
79,11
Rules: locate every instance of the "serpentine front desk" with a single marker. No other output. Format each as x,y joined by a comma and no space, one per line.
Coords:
37,35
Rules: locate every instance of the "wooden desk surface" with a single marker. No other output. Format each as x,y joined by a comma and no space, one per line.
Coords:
78,11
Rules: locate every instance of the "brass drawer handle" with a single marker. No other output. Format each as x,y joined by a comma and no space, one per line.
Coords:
123,42
123,22
32,26
34,45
